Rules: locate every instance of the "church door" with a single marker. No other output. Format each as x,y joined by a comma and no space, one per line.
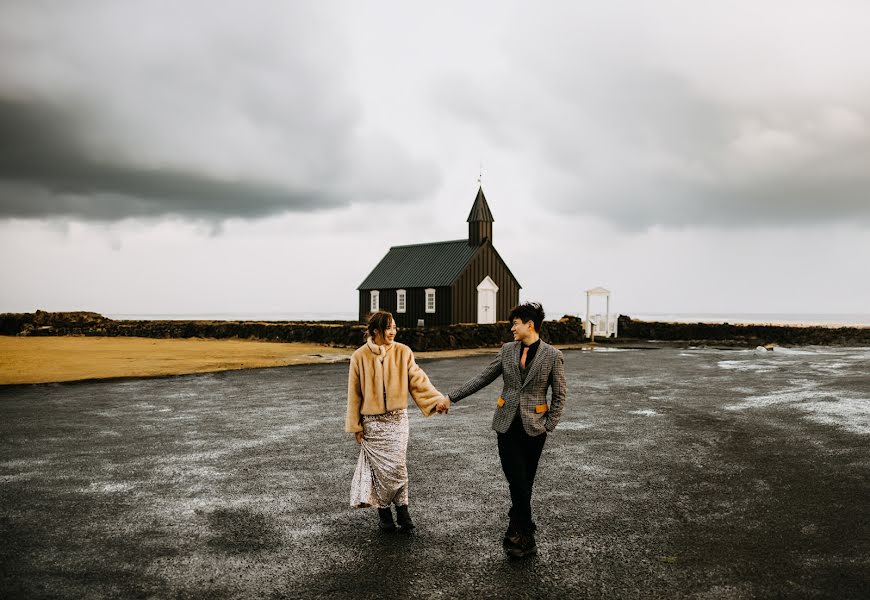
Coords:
487,291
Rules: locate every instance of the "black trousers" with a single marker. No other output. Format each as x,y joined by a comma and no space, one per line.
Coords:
519,453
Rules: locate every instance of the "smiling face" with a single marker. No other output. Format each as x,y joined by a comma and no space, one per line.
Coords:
390,333
388,336
522,331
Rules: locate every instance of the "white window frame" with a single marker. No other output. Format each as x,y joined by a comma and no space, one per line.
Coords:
430,295
401,301
375,300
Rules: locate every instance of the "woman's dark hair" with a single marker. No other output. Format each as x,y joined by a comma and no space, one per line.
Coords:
378,321
529,311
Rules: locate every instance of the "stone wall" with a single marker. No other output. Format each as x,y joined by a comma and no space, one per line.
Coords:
567,330
346,333
744,335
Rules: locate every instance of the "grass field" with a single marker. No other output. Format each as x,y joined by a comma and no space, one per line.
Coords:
57,359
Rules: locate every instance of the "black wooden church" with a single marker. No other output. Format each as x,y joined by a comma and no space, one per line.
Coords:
442,283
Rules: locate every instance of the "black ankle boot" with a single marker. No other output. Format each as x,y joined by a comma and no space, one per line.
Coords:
404,519
386,519
511,535
522,545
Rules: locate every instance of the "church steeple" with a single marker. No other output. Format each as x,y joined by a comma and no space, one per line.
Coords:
479,221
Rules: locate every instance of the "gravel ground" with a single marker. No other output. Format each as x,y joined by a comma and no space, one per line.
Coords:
675,473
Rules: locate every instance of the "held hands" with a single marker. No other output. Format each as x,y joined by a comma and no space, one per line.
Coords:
444,406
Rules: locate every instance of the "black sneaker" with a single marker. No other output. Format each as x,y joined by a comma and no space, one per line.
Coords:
386,519
403,518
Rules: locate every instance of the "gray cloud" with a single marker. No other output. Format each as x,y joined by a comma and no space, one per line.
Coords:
653,150
210,113
677,114
622,127
47,171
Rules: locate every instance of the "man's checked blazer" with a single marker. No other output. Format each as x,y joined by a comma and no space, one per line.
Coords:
530,398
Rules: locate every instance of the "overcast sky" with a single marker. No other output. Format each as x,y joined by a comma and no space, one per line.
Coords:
214,157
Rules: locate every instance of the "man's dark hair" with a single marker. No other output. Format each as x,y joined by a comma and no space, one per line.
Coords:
528,311
378,321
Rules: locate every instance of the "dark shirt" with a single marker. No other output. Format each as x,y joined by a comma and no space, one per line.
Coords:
533,349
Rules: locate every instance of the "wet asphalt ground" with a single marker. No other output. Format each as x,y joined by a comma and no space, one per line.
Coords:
675,473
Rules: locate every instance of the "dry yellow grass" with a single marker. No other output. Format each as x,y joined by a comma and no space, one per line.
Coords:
54,359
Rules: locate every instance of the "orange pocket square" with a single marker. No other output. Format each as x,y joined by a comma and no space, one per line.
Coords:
500,401
541,408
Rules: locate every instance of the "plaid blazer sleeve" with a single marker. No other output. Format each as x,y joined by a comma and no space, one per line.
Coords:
489,374
560,392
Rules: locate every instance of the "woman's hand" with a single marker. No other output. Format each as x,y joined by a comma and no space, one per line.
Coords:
359,437
443,406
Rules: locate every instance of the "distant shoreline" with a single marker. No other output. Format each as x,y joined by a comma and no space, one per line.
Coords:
349,334
783,319
718,320
336,317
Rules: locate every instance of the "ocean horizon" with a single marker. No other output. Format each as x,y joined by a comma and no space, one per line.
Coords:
826,319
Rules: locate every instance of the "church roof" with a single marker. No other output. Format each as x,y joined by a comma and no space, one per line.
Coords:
480,209
436,264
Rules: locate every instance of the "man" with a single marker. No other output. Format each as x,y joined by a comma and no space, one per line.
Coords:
522,417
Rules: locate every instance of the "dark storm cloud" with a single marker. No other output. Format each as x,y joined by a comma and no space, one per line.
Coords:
117,109
46,170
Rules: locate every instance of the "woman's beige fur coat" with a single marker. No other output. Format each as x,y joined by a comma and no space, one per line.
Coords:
380,379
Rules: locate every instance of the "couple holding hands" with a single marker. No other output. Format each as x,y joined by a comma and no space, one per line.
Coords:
383,373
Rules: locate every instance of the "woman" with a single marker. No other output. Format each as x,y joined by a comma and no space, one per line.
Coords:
382,373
